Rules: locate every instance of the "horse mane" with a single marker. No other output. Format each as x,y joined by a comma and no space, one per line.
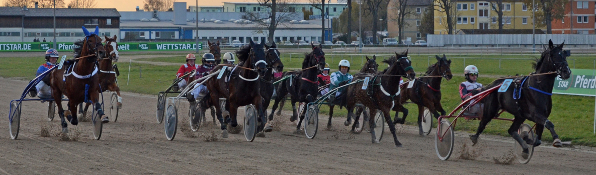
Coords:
306,60
243,53
392,60
431,68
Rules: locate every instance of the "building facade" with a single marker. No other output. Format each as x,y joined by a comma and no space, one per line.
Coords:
206,8
578,19
475,14
18,24
333,9
416,10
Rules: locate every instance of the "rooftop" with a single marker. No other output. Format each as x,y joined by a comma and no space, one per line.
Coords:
60,12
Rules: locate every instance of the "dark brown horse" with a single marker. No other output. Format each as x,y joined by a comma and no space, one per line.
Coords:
80,83
107,72
426,91
274,65
302,85
529,98
243,87
381,93
215,50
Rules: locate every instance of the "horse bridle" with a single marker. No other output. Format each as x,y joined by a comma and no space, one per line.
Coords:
216,53
444,73
114,45
276,56
94,49
252,54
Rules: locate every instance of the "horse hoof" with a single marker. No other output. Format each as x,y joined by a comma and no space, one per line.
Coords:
525,155
293,118
537,143
72,120
105,120
557,143
268,128
298,132
224,134
474,139
399,145
64,130
347,123
119,105
261,134
375,141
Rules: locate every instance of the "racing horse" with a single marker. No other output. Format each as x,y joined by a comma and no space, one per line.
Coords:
302,84
80,81
242,87
381,92
426,91
215,50
108,71
528,98
274,65
369,67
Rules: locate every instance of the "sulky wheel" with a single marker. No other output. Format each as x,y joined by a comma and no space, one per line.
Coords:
14,119
311,122
427,122
114,107
362,113
379,125
444,140
51,110
171,121
527,134
161,105
195,115
250,123
97,124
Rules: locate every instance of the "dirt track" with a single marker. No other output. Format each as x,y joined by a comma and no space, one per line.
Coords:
136,144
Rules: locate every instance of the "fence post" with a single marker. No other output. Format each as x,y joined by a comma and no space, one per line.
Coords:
499,63
351,58
464,61
290,57
428,61
362,60
140,72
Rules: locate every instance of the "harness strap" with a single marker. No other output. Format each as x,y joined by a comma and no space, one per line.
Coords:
538,90
254,79
310,81
107,72
80,76
389,95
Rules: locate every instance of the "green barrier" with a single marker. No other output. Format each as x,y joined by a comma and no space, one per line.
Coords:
122,46
582,82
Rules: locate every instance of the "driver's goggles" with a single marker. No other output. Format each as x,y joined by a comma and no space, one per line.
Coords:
210,62
344,67
475,74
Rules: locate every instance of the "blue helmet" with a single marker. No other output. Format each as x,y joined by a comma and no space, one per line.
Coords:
52,53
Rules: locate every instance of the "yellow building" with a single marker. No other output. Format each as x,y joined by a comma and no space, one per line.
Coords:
474,14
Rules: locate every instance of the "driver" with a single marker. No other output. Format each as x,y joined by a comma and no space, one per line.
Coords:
325,78
186,68
340,78
230,58
42,88
471,87
200,90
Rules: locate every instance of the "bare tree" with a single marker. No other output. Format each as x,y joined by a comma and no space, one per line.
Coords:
446,6
18,3
427,23
547,11
278,13
48,3
82,3
374,6
402,11
158,5
497,6
320,4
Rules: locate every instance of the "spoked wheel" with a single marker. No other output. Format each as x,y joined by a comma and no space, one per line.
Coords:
427,122
362,119
114,107
97,124
311,122
444,140
171,121
250,123
161,105
527,134
379,125
196,117
14,119
51,110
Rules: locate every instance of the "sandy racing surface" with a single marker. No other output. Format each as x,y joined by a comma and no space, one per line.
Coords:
136,144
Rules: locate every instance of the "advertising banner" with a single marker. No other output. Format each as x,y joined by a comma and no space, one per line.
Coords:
582,82
122,46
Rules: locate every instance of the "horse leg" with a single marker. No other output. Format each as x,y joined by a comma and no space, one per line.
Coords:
488,113
58,100
269,125
517,122
551,127
72,107
213,115
349,118
114,88
300,122
282,103
83,111
387,114
330,115
261,117
222,122
539,131
294,112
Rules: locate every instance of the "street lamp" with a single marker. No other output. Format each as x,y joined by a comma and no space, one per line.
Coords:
534,27
54,24
360,24
197,27
381,22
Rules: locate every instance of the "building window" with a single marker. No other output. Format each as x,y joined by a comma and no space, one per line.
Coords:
10,33
458,20
327,11
483,13
254,9
334,9
311,9
507,7
292,9
494,19
482,25
465,20
93,21
259,9
108,21
157,35
524,20
418,35
142,34
472,6
417,22
524,7
483,4
582,4
462,6
458,6
472,20
506,20
242,9
418,10
585,19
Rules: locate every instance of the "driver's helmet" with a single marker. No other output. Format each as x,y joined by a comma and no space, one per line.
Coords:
208,57
51,53
471,69
327,67
229,57
190,56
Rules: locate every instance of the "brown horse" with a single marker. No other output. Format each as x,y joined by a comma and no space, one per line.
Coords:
242,88
79,82
426,91
215,50
382,90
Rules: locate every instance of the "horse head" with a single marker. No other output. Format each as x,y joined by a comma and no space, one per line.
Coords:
273,59
442,67
215,50
405,65
257,57
92,45
316,58
112,48
370,66
556,60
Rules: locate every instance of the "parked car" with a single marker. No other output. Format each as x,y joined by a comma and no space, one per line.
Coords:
301,43
356,43
420,43
236,43
389,41
341,43
288,43
315,42
328,43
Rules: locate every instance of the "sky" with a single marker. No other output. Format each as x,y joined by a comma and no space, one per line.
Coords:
130,5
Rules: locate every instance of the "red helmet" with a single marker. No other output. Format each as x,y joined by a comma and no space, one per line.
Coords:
190,56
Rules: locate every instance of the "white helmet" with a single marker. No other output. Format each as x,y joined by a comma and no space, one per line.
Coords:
229,56
471,69
344,63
